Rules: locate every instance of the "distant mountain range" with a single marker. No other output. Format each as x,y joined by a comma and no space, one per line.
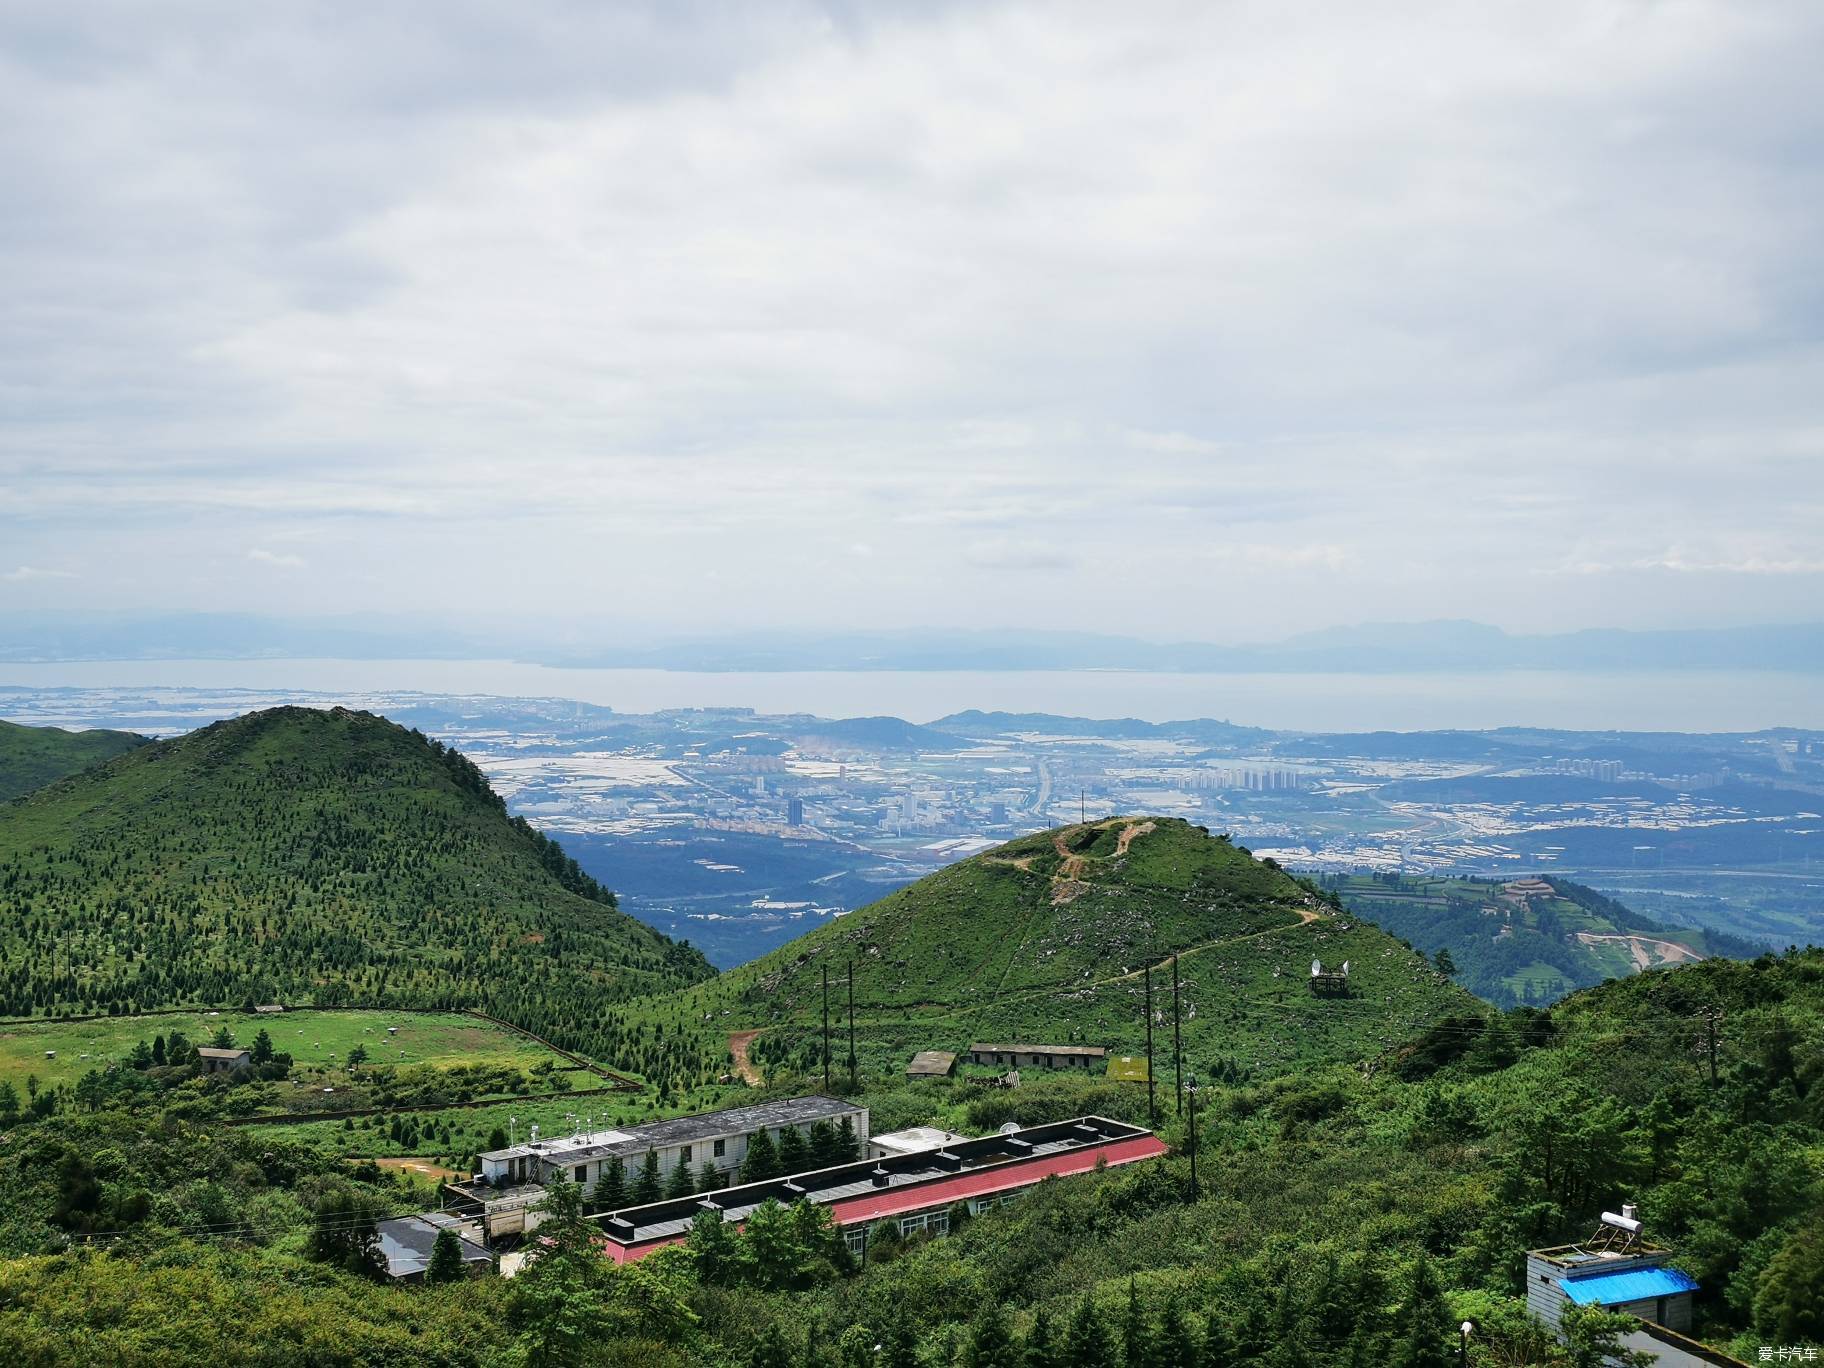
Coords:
1423,647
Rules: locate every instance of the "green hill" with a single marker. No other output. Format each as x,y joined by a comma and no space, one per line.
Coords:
307,856
1526,942
31,757
1047,940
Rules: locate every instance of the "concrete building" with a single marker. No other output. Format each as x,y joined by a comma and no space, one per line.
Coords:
512,1180
1039,1056
931,1064
1615,1269
916,1190
912,1140
405,1245
218,1060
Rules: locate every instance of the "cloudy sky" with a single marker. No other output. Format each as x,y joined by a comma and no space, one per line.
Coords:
1218,320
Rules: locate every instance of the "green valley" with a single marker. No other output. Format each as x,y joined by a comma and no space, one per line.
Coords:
31,757
1525,941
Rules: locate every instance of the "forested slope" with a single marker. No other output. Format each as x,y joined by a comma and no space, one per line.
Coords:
1048,939
307,856
31,757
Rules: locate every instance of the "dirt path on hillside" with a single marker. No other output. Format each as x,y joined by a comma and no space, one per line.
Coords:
1131,833
424,1168
1305,917
1671,951
738,1041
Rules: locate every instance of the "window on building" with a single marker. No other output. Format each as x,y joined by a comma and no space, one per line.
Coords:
721,1148
937,1222
582,1172
684,1154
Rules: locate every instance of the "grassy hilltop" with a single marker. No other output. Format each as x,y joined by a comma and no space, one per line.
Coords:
31,757
1047,939
306,856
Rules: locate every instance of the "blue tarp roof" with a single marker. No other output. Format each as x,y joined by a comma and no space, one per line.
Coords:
1634,1284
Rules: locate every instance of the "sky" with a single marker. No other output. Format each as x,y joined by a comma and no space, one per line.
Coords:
1213,321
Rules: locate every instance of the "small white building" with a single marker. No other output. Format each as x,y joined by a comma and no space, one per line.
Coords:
912,1140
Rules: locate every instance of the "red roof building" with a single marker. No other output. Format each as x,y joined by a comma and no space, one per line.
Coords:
916,1189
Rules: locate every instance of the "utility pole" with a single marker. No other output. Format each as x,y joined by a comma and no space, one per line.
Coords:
1193,1082
1177,1041
826,1028
1711,1016
854,1064
1152,1102
1082,806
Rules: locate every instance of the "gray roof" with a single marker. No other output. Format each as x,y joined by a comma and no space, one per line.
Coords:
635,1225
405,1243
931,1062
687,1130
217,1052
1039,1049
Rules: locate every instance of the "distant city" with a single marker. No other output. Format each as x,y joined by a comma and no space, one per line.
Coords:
738,830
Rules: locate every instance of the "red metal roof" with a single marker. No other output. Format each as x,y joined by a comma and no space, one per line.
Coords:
1017,1173
996,1178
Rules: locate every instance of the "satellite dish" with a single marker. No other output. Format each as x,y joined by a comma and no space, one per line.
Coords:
1316,968
1011,1128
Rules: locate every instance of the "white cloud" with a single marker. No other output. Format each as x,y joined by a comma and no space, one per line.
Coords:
33,572
1356,312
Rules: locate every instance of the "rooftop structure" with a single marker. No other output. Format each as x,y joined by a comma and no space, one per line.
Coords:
1616,1268
912,1140
1038,1056
915,1189
511,1179
931,1064
218,1060
405,1244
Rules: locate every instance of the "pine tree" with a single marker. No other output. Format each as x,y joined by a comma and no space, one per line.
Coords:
762,1160
901,1346
1041,1349
262,1047
1088,1345
709,1177
158,1051
823,1145
647,1188
1219,1344
681,1183
1423,1328
1136,1334
848,1147
770,1350
446,1258
794,1153
990,1345
1174,1346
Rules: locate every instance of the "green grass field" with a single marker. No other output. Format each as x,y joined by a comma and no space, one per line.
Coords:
315,1039
460,1133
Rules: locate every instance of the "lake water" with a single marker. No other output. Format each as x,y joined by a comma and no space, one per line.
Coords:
1693,701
